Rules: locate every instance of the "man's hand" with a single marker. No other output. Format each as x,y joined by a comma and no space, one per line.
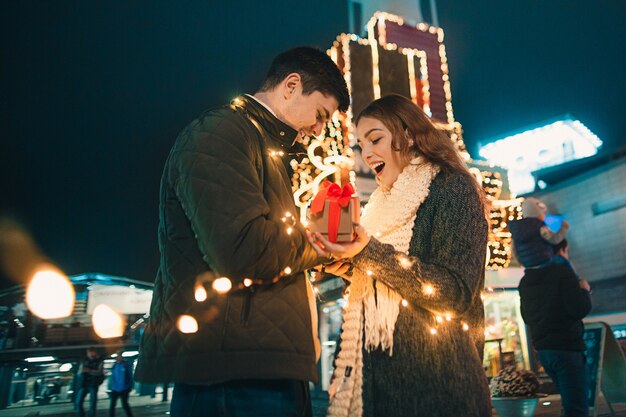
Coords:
338,268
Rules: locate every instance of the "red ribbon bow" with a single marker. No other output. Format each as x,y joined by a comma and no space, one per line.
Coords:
338,197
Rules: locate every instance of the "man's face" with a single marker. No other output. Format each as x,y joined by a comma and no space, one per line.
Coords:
309,112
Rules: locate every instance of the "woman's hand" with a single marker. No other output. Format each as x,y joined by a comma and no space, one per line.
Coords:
326,248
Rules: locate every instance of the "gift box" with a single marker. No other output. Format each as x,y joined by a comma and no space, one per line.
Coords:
334,211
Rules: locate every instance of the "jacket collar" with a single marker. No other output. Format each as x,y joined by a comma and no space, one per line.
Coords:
278,130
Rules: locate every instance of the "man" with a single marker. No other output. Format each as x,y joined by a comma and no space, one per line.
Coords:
553,303
227,217
92,375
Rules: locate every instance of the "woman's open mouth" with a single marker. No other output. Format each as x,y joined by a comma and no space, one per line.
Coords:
378,167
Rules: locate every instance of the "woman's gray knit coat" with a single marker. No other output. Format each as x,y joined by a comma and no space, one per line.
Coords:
433,375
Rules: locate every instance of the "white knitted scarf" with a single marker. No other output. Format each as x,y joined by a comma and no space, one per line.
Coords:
372,309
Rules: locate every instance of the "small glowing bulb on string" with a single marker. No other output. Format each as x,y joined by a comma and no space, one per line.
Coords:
404,262
369,272
465,327
50,294
281,153
107,323
284,219
187,324
200,294
439,319
405,303
287,214
289,230
428,289
433,331
448,317
377,234
247,282
222,285
287,271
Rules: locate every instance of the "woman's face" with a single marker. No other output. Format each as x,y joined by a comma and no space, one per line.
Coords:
375,141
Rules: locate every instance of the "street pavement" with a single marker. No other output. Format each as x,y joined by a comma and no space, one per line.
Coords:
145,406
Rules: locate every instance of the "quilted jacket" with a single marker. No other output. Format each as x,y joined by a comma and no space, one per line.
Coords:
224,192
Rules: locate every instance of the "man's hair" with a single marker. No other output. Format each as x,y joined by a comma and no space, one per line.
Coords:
561,245
317,71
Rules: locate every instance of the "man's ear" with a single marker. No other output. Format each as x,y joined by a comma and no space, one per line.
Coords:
291,84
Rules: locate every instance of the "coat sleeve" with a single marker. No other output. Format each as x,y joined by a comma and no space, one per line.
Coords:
220,187
452,276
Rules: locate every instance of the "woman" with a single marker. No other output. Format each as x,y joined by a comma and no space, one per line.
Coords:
413,331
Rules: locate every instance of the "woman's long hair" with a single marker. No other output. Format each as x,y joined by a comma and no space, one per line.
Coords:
406,121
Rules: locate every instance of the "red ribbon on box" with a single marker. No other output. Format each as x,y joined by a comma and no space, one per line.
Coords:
338,197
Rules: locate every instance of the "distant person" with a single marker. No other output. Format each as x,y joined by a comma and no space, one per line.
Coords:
553,303
91,377
121,384
533,241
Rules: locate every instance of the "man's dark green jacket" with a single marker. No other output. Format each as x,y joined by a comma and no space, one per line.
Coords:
224,192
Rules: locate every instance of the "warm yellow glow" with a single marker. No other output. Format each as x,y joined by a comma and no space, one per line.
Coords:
405,303
200,294
107,323
433,330
448,317
439,319
187,324
222,285
287,271
289,230
465,327
370,273
428,289
50,295
247,282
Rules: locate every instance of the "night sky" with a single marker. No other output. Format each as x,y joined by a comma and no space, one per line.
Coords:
93,95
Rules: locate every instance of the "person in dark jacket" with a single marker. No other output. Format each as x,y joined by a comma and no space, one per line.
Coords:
121,383
91,376
553,303
233,318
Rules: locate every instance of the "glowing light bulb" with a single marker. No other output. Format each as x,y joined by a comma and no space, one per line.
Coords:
107,323
448,317
405,303
287,271
247,282
433,330
200,294
439,319
428,289
50,295
289,230
222,285
404,262
465,327
187,324
370,273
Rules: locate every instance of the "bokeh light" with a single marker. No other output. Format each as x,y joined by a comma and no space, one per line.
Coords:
107,323
50,295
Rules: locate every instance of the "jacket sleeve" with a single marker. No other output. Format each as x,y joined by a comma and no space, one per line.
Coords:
577,301
448,281
220,186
